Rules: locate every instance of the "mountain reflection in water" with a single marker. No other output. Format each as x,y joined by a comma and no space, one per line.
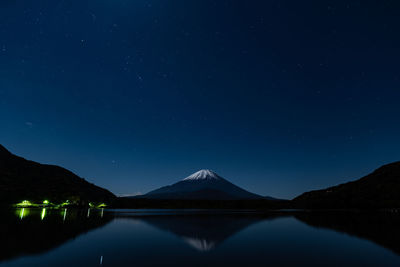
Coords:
39,231
206,231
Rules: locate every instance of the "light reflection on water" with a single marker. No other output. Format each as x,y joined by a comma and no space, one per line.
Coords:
66,237
24,212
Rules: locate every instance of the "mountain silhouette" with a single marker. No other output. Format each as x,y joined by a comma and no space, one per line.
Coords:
380,189
204,184
21,179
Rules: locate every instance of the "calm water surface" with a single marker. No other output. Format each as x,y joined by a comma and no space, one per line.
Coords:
35,237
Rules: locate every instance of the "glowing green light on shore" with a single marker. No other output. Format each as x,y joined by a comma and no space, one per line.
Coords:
66,203
46,202
43,213
102,205
24,203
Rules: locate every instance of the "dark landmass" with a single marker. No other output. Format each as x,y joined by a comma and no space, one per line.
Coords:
206,193
21,179
381,228
34,235
205,185
143,203
380,189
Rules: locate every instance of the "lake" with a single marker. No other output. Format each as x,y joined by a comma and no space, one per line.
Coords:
68,237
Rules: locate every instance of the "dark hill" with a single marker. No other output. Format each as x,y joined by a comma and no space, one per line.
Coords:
21,179
380,189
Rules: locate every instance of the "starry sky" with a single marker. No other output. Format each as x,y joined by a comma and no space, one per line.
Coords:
279,97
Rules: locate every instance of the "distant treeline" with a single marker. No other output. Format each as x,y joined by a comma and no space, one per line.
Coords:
259,204
142,203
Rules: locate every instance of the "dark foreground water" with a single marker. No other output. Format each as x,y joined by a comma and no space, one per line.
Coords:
35,237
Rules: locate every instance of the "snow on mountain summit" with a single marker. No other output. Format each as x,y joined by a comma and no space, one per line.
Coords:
203,174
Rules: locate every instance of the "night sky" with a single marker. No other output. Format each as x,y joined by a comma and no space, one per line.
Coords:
279,97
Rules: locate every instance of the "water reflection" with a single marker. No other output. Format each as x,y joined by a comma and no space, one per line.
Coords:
65,215
43,214
22,213
31,231
381,228
203,232
229,237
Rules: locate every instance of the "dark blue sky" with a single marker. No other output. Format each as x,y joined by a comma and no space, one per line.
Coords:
279,97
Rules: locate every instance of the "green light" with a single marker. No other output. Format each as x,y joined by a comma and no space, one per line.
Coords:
22,213
65,214
102,205
24,203
43,213
66,203
46,202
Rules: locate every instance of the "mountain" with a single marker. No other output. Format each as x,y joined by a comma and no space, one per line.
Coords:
204,184
380,189
21,179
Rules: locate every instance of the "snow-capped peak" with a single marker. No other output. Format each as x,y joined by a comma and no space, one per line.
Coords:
202,174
